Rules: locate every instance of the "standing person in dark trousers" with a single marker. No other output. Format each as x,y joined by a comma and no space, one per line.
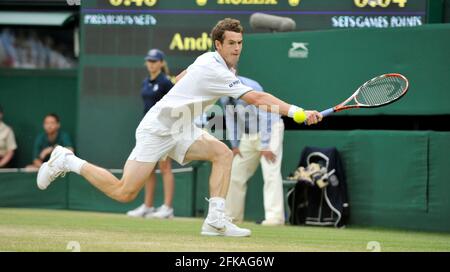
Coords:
154,87
256,136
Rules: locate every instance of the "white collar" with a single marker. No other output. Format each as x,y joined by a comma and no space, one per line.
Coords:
219,59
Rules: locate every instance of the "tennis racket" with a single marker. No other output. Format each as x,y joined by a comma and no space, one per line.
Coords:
377,92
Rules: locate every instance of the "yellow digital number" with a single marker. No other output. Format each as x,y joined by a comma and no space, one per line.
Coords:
115,2
384,3
361,3
379,3
137,3
401,3
128,3
150,3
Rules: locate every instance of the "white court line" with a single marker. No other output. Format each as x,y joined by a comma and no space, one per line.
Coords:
9,170
114,171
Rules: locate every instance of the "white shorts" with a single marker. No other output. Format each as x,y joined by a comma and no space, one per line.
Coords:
152,146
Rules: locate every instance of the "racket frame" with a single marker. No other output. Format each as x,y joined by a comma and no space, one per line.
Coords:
341,106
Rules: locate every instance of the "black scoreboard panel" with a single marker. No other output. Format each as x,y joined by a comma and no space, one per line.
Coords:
116,34
126,29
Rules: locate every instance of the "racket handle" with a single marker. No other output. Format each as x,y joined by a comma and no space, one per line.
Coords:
327,112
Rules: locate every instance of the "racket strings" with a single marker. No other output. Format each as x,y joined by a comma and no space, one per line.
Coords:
381,91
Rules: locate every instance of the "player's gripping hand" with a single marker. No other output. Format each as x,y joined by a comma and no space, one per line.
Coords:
313,117
304,116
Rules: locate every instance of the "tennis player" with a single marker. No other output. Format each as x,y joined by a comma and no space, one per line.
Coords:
168,130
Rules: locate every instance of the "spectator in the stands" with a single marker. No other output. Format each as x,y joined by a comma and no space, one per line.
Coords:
7,143
46,141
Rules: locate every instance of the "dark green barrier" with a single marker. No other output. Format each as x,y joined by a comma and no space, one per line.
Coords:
84,196
202,172
28,95
387,170
74,193
329,66
395,178
439,175
20,190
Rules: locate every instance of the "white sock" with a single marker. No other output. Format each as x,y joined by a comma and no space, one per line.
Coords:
216,203
74,163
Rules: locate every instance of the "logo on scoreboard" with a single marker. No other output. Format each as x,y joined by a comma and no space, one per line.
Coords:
299,50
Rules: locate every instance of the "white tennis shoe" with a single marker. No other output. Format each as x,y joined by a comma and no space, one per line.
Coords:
218,224
163,212
141,211
55,167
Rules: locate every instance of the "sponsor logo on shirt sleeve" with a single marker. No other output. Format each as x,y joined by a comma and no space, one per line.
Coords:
234,83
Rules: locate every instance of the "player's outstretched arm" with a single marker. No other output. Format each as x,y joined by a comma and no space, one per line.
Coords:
271,103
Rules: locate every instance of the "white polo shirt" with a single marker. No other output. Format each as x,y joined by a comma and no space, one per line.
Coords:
205,81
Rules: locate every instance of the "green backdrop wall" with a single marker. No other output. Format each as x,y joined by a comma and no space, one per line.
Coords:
28,95
339,61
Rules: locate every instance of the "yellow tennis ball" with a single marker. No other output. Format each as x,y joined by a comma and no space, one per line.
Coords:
300,116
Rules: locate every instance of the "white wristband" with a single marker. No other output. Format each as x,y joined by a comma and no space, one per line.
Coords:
292,110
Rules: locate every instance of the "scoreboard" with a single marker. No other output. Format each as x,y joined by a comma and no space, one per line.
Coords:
124,30
309,14
181,27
